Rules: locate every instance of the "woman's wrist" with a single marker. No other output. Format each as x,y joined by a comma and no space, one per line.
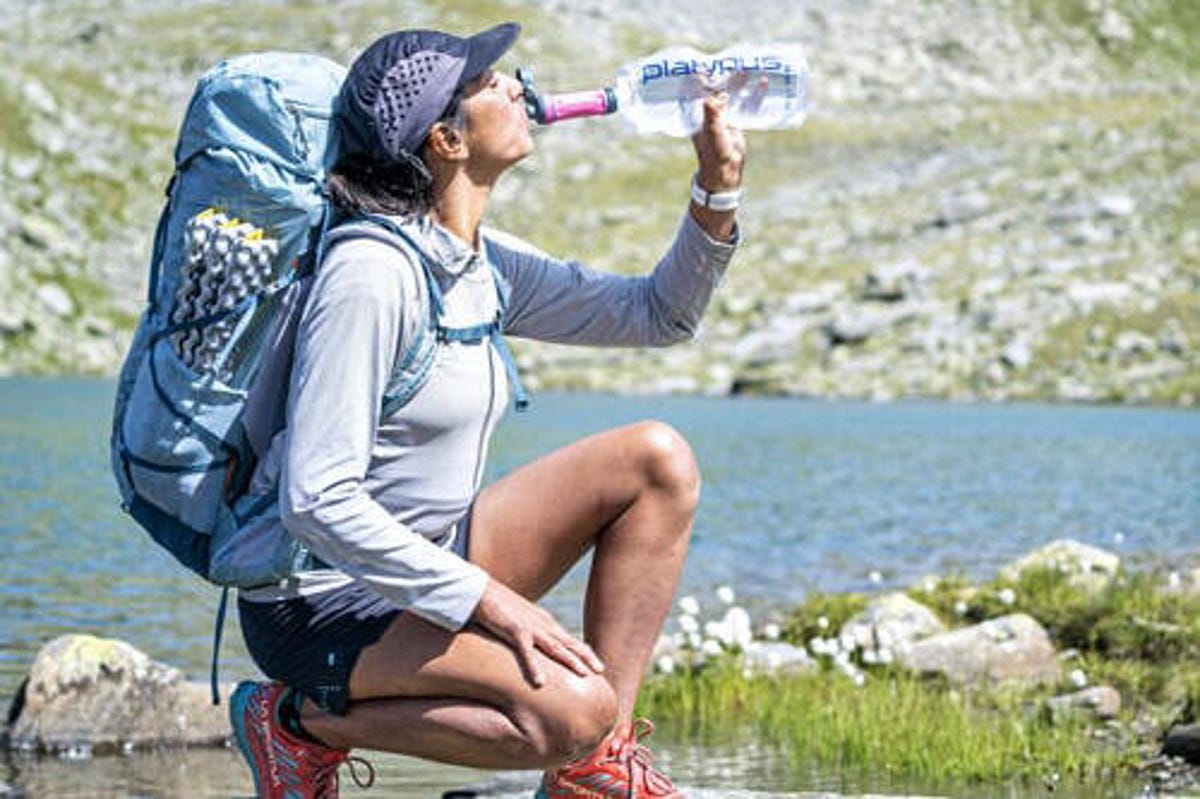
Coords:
714,211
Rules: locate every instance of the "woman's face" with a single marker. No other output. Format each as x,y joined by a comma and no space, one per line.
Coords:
497,125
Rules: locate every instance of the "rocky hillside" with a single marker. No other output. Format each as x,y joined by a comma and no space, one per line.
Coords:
995,199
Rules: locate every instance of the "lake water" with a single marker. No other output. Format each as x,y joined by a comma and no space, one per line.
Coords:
798,495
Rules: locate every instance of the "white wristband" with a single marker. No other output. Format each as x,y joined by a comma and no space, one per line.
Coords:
716,201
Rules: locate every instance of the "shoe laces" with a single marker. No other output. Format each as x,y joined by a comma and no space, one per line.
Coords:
637,753
326,775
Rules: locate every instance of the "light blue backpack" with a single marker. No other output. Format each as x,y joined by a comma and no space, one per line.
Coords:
203,388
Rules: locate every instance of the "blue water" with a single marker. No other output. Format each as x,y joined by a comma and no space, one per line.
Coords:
798,495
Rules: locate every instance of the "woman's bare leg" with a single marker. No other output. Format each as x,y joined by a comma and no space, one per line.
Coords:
462,698
631,493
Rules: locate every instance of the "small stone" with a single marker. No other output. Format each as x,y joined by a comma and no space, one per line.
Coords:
1133,342
1114,28
892,282
56,299
888,621
778,657
1017,354
1102,701
1116,205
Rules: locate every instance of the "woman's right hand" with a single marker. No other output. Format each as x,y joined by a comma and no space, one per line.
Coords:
526,627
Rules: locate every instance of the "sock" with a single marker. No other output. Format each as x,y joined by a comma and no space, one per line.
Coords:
289,716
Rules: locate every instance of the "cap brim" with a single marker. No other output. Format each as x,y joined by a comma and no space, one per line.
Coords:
486,48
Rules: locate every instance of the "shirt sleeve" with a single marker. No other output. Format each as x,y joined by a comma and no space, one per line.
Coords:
566,302
345,350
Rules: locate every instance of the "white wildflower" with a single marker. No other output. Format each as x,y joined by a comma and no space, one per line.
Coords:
848,642
1078,678
747,673
711,648
960,608
688,624
666,664
693,640
725,594
859,678
884,655
1174,581
930,585
869,657
689,606
772,632
719,631
822,623
737,621
1007,596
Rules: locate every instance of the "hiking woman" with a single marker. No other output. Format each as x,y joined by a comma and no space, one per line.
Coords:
414,627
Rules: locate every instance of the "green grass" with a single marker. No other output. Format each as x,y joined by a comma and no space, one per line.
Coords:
1135,635
894,723
1062,344
1165,32
15,136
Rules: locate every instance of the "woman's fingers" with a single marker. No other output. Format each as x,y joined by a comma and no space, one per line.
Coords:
720,148
561,652
528,628
526,654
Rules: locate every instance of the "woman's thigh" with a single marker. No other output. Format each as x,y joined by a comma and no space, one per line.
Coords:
531,526
415,659
526,531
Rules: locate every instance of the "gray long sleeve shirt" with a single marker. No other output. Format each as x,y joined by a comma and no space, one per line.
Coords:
380,499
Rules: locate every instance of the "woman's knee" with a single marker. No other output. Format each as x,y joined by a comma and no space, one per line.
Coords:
667,461
573,721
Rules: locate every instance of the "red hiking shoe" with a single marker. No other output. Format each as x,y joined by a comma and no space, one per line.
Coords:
621,767
283,766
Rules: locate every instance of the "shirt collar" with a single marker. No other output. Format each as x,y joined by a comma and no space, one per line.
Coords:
447,251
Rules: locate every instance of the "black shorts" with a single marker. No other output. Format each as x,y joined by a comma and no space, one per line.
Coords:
312,642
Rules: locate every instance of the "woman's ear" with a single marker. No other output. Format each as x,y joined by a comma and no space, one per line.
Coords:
446,142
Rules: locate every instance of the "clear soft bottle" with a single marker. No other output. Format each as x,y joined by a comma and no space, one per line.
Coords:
664,92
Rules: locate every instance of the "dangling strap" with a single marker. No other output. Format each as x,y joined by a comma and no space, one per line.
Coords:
493,331
216,691
520,397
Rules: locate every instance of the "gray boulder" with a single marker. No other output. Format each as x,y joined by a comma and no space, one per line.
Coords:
894,281
87,695
1011,648
1101,701
1086,567
855,324
778,657
892,621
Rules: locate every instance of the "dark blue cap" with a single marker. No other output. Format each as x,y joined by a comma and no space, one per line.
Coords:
404,82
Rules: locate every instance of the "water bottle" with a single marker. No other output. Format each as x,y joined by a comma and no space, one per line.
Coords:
664,93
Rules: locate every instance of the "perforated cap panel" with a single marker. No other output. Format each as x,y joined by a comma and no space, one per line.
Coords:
413,94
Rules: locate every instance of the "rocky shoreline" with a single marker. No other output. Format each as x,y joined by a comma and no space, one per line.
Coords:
990,201
86,696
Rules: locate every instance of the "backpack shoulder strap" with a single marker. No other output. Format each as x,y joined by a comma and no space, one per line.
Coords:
416,355
413,367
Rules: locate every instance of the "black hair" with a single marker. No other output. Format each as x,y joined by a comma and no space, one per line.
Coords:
366,183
